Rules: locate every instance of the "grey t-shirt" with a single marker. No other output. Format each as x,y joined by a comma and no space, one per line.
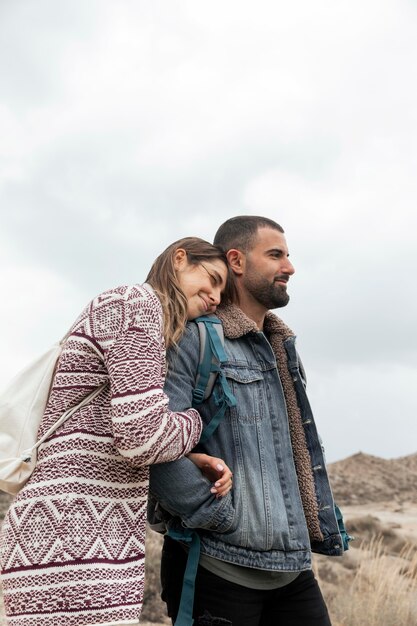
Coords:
247,576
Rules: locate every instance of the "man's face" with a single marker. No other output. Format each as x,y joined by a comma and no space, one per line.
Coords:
268,269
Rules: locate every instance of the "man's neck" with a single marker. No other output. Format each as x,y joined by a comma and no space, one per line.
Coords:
252,309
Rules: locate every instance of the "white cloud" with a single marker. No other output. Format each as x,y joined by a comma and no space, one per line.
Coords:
364,408
38,308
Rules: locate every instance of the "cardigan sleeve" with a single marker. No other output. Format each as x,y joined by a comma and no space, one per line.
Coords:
145,430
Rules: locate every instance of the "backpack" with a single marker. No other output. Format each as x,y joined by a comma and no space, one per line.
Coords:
22,405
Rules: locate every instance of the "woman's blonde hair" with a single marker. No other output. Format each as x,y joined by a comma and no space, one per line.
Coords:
163,278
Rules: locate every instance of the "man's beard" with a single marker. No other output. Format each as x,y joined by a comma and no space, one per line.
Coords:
270,295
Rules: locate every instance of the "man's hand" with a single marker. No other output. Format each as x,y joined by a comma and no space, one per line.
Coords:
215,470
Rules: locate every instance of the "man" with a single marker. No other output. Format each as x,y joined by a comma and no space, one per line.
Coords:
256,543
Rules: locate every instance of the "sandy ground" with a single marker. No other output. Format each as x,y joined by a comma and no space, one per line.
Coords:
400,517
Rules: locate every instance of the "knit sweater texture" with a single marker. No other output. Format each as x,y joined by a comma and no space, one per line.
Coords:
73,542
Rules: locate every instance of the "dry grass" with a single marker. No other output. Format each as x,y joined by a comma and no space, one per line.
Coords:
382,591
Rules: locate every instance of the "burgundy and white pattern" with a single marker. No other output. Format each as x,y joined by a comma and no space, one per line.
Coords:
73,542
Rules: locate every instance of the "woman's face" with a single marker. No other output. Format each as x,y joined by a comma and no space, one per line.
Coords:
202,284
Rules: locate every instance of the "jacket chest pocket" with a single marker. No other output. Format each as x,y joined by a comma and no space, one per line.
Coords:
247,386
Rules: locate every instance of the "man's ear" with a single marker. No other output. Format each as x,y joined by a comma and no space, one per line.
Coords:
179,259
236,261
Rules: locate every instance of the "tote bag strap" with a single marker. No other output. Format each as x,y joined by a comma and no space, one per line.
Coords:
27,454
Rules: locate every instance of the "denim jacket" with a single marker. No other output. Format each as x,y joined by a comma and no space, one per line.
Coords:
281,506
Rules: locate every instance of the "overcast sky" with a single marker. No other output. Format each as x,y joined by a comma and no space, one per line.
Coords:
126,125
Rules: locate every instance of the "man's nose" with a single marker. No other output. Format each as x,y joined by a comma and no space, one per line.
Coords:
288,268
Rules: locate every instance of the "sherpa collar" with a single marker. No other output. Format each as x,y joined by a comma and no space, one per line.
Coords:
236,323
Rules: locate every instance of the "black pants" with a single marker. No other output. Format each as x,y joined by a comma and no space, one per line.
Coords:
218,602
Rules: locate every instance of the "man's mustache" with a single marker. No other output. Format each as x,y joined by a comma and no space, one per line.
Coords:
285,277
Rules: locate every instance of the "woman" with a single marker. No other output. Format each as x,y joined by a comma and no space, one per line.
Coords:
73,541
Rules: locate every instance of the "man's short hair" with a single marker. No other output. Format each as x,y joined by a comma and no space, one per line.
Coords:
240,232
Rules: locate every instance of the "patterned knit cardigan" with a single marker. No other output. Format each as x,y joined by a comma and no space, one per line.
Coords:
73,542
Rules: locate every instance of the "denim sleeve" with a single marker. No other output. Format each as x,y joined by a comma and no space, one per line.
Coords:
179,486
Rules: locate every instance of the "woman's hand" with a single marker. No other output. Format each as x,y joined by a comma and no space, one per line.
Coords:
215,470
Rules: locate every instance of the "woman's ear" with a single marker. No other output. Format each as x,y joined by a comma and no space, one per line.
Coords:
236,261
179,259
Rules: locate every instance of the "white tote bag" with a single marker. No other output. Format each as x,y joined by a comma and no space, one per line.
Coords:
22,405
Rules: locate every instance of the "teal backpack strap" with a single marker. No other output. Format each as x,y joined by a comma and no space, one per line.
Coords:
342,529
223,400
192,538
212,355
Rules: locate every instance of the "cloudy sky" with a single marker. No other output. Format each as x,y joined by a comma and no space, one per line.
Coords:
126,125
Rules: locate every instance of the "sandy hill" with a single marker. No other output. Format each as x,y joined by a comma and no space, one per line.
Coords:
363,478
